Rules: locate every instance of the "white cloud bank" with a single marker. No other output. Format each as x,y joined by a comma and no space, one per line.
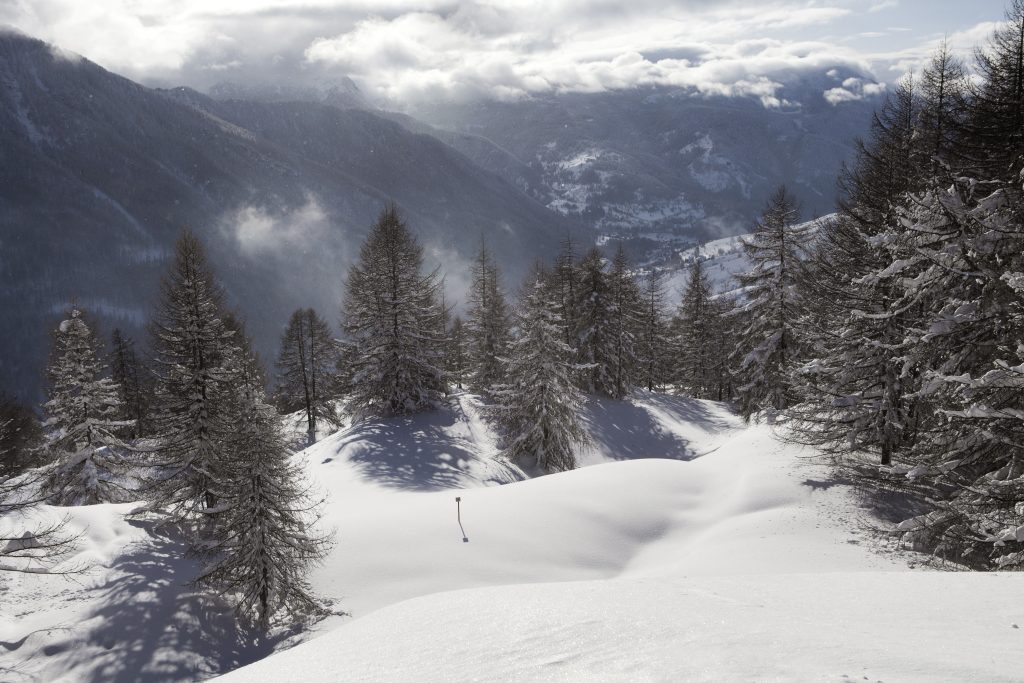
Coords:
403,50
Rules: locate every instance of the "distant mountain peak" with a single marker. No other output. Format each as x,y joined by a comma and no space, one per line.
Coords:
342,93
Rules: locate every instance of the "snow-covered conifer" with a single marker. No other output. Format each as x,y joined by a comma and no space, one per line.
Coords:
261,544
654,349
134,382
694,326
81,420
624,323
192,347
457,357
768,346
540,405
394,349
596,349
487,324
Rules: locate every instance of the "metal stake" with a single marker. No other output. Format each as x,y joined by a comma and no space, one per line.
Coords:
458,511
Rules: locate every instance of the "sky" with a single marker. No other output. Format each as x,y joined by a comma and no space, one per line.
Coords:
402,51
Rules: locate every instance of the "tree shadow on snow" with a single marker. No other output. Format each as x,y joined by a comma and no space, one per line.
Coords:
152,627
420,453
627,430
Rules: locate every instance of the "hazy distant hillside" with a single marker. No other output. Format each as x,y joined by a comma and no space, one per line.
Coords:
98,175
661,160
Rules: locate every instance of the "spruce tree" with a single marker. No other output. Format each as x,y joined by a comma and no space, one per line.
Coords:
390,324
540,405
81,420
192,347
306,365
768,347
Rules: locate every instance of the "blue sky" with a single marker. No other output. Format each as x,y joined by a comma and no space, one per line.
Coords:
401,50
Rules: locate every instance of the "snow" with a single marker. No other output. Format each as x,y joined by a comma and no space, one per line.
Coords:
687,546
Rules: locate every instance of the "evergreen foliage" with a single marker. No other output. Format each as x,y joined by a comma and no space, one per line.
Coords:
767,345
134,381
81,420
487,324
192,347
259,546
390,316
540,405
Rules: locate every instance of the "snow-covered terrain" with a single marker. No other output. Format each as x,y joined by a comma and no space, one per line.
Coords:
688,546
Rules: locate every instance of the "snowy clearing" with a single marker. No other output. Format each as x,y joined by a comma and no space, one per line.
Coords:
688,546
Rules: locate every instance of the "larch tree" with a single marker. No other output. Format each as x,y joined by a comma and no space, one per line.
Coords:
134,383
768,347
596,350
306,365
487,324
624,323
82,418
456,359
390,314
694,339
565,278
261,544
654,349
539,405
21,434
192,347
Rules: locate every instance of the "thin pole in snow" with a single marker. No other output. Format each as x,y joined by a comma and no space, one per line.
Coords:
458,512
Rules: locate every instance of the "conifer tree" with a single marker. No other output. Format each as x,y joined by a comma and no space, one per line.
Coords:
192,347
457,357
768,347
943,107
134,383
695,336
540,405
566,283
20,437
82,418
390,323
653,348
859,393
624,323
993,146
306,365
596,349
260,545
487,324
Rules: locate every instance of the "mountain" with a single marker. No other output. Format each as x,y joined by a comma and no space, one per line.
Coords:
98,175
648,162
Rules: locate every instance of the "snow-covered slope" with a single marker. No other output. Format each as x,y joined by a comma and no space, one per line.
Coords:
723,259
689,546
742,563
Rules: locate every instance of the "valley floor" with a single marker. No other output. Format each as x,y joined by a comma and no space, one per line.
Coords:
688,547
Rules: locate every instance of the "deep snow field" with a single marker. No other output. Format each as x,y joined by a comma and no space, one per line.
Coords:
688,546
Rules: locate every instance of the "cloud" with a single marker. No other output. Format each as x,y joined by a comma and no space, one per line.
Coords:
259,231
480,51
404,50
853,89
